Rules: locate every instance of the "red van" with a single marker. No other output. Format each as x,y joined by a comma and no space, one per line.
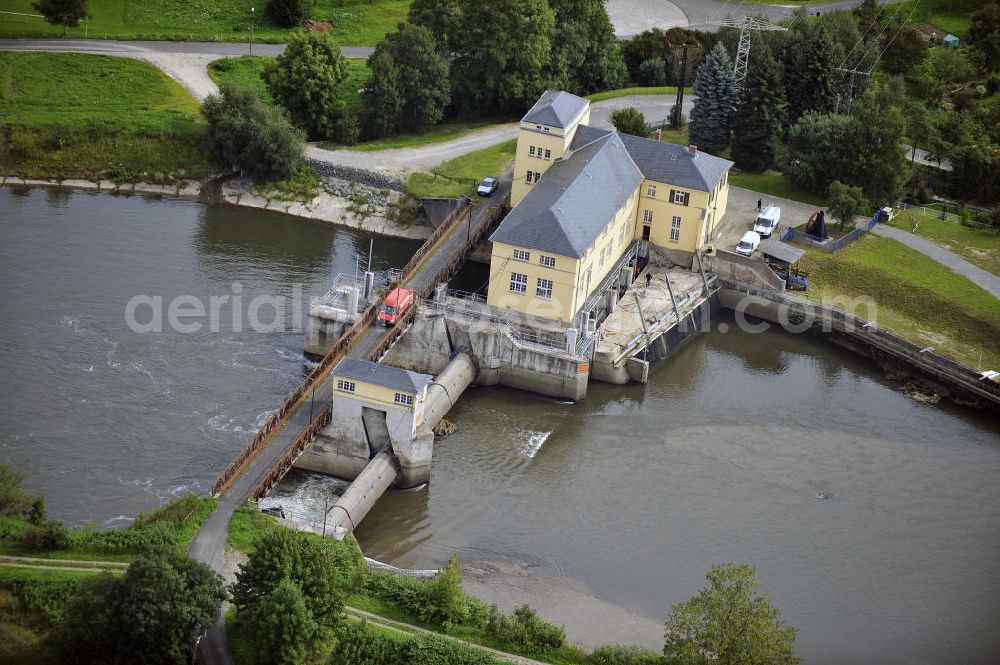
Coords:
395,305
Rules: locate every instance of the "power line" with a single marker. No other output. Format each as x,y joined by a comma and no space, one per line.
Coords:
861,39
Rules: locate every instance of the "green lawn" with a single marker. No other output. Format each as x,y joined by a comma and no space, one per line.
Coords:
245,71
625,92
952,16
774,183
978,246
73,115
473,166
439,134
355,22
916,297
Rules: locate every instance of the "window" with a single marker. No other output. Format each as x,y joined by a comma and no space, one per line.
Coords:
621,235
680,198
544,288
405,400
518,283
548,154
529,177
345,386
675,229
647,217
547,261
545,129
600,261
531,150
521,255
538,176
651,191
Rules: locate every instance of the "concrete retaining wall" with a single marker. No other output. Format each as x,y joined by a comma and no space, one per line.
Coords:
736,268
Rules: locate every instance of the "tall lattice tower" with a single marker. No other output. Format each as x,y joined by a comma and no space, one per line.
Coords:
746,24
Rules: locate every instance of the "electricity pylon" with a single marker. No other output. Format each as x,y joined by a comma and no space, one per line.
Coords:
746,24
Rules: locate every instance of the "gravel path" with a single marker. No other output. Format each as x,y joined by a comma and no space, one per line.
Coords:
954,262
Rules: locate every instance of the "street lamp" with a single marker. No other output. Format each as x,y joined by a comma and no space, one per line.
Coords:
251,30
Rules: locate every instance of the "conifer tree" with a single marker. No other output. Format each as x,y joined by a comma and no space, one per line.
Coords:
758,115
382,97
810,77
712,114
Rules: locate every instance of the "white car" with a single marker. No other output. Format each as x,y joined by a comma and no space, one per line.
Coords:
767,221
748,243
488,186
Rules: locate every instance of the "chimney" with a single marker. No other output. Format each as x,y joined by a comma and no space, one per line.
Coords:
693,149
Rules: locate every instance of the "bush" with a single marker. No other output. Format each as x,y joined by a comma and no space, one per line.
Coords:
286,13
250,135
426,649
360,644
525,629
51,535
652,72
133,540
46,596
619,654
443,600
629,121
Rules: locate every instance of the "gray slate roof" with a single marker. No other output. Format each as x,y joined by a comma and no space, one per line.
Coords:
382,375
556,109
782,251
574,200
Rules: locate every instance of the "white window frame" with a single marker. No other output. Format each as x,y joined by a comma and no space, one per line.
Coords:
531,150
548,153
528,176
621,235
518,283
647,216
675,229
521,255
403,399
651,191
679,197
538,176
346,386
547,261
543,288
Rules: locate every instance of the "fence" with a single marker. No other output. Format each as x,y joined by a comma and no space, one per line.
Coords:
825,244
944,215
277,419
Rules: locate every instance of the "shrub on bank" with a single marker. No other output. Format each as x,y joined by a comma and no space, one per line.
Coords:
363,644
525,629
621,654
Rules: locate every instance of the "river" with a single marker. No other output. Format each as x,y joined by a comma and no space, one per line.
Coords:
871,518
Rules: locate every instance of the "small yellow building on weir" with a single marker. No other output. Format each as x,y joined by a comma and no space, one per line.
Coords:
582,196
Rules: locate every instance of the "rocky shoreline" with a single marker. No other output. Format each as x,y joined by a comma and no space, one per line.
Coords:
352,204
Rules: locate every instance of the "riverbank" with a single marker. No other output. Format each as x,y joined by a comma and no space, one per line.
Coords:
324,207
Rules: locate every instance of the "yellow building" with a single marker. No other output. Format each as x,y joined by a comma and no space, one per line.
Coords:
582,196
397,394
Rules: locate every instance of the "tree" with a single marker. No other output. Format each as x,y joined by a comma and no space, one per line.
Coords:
874,149
441,17
282,624
153,614
757,122
652,72
305,81
444,600
584,47
629,121
382,96
15,498
941,72
645,46
502,56
729,623
846,202
67,13
422,80
906,51
712,115
984,37
818,150
286,13
246,133
809,75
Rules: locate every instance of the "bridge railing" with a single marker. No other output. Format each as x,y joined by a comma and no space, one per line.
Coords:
277,418
278,471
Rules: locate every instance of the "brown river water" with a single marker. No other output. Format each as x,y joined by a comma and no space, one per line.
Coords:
873,520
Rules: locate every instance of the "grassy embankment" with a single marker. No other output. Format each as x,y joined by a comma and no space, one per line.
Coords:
980,247
32,596
473,166
375,594
915,297
66,115
355,22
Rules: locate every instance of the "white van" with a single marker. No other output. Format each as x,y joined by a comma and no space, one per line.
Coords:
767,221
748,243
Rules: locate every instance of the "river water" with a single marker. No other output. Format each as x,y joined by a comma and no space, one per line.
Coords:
872,519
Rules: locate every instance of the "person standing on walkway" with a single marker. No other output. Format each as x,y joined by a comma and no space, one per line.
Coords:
759,201
649,278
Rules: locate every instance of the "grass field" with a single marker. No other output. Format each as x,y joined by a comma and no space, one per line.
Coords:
245,71
625,92
977,246
774,183
439,134
954,16
475,166
355,22
72,115
916,297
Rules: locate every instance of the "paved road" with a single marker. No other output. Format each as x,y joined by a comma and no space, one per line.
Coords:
956,263
656,108
920,157
186,62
